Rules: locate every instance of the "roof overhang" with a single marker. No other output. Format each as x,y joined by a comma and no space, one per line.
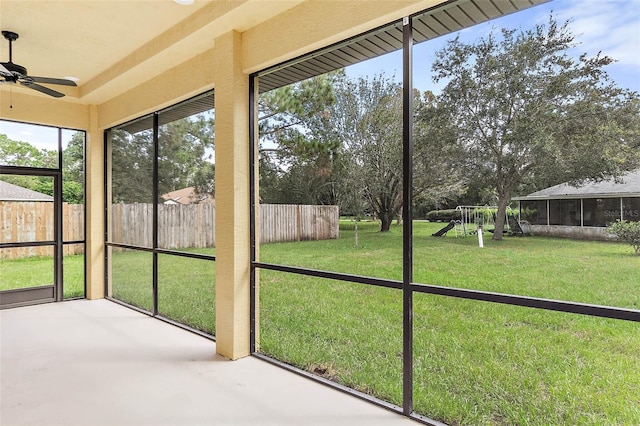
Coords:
625,186
437,21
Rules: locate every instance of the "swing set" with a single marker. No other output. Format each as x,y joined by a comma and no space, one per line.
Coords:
472,217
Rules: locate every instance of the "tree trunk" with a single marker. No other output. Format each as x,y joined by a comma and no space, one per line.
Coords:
355,236
498,232
385,221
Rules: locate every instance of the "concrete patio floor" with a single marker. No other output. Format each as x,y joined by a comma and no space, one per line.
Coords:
98,363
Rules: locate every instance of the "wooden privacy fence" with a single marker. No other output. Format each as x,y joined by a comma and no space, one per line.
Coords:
31,221
179,225
289,222
193,225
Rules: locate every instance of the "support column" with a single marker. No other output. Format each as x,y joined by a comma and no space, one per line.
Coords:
94,171
232,199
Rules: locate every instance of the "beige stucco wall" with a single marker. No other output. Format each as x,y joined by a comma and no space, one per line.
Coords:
176,84
232,200
94,250
21,105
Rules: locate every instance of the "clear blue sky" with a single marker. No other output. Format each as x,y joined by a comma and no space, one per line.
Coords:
609,26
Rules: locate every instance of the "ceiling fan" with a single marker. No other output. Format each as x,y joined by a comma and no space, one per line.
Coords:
14,73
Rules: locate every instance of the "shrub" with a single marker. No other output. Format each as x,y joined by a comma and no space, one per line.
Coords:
485,214
443,215
627,232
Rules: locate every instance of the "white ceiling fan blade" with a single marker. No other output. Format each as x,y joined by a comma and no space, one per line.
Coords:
48,80
3,70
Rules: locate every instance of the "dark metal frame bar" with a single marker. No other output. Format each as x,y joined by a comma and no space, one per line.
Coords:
154,219
57,229
339,276
460,293
407,222
106,166
531,302
253,137
31,171
27,244
17,297
57,217
161,251
73,242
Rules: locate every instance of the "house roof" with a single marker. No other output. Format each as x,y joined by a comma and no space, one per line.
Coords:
11,192
627,186
186,196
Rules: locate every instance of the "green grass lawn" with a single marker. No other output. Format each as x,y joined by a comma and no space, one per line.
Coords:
581,271
186,287
475,363
38,271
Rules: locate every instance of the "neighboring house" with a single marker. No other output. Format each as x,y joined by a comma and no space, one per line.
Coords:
187,196
583,211
11,192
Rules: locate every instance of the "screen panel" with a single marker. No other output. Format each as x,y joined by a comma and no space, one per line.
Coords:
132,277
482,363
132,156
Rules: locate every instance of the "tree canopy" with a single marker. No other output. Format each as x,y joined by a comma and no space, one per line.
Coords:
294,163
527,112
347,150
185,158
22,153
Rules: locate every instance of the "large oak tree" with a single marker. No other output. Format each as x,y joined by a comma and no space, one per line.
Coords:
367,120
526,110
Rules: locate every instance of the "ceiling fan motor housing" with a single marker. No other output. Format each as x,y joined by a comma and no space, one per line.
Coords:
10,66
14,68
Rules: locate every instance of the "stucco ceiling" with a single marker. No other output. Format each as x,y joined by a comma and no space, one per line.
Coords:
111,46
